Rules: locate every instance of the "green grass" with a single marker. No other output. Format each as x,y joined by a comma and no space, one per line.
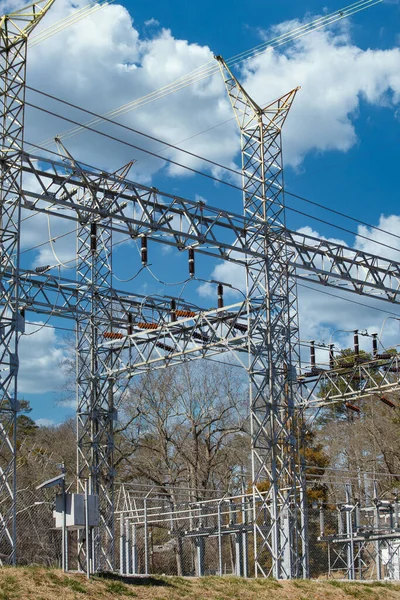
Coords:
74,584
116,587
9,588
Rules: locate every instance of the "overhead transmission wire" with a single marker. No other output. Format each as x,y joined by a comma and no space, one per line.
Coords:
198,172
124,142
54,239
211,68
294,34
60,263
74,17
212,162
347,299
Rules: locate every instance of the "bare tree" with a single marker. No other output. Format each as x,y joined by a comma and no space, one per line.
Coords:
184,425
185,432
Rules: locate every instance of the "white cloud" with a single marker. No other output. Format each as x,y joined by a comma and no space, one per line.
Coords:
120,66
334,75
41,357
45,422
151,23
372,239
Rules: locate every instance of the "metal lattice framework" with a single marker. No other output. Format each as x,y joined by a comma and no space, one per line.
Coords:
365,535
273,335
14,31
120,334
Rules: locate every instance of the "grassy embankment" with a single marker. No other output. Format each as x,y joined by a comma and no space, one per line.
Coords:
37,583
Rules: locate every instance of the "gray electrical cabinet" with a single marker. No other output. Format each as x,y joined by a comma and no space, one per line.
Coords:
75,511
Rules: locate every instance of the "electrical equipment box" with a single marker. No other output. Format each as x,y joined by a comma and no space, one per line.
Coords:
75,511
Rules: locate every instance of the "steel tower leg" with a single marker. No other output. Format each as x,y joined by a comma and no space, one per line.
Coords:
95,393
95,388
14,31
273,333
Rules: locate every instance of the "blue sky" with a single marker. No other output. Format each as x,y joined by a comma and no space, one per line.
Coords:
340,144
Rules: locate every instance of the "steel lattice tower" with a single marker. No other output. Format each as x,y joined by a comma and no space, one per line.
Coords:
14,31
95,389
273,336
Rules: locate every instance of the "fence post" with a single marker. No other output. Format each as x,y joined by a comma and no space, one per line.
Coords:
127,547
146,539
121,544
219,539
134,551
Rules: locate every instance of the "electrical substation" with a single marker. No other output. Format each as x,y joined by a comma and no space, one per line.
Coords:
120,335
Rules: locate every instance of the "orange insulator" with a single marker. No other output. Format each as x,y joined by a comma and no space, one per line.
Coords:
147,325
387,401
353,407
185,313
113,335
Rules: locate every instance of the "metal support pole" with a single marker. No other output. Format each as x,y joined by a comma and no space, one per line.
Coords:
14,31
245,544
200,552
66,551
127,548
273,333
134,551
349,535
219,538
146,539
238,554
378,556
121,544
305,571
87,528
64,526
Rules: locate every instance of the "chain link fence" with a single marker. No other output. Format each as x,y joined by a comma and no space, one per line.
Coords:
158,535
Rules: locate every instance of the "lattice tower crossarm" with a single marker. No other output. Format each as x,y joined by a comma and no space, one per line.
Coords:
280,549
14,31
138,210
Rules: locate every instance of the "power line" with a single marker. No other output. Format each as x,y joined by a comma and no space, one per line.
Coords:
49,241
67,21
208,176
347,299
219,165
209,69
115,139
128,128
